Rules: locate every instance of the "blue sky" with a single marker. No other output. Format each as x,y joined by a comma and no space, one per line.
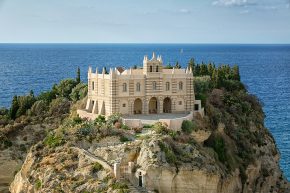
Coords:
145,21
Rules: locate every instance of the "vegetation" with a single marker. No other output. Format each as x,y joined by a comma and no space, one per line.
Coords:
188,126
97,167
52,140
37,184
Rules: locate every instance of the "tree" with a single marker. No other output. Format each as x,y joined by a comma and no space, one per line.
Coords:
14,107
65,87
177,65
79,92
78,78
236,73
191,64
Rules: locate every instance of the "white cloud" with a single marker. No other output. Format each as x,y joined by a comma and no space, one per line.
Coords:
231,2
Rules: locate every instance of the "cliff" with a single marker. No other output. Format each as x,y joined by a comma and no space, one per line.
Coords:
228,150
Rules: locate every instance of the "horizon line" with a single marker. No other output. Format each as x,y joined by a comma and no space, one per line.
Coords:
144,43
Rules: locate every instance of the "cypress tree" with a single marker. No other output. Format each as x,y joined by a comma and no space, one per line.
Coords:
191,64
78,78
14,107
177,65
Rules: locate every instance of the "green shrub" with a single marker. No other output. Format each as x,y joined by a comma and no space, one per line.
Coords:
39,107
160,128
112,119
64,88
38,184
59,106
77,120
124,139
79,92
125,127
147,126
52,140
100,120
119,185
97,167
169,154
84,131
188,126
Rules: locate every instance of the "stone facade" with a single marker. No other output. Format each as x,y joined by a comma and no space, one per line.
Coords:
148,90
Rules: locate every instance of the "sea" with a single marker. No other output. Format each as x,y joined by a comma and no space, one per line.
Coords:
264,69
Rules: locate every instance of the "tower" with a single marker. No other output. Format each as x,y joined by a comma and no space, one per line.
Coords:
155,65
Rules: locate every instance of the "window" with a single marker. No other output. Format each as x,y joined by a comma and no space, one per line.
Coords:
138,87
154,86
157,68
180,85
93,85
150,68
196,107
180,102
124,87
167,86
124,105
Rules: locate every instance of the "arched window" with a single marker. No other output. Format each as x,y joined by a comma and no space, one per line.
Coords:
157,68
154,85
93,85
124,87
180,85
151,68
167,86
138,87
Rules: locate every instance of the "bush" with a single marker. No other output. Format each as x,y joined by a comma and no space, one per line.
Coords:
119,185
39,107
188,126
169,155
77,120
124,139
83,132
64,88
125,127
97,167
79,92
112,119
160,128
52,140
100,120
59,106
38,184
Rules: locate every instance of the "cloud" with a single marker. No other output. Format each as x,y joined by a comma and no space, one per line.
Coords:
231,2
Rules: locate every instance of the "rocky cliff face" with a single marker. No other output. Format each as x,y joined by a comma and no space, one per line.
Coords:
194,169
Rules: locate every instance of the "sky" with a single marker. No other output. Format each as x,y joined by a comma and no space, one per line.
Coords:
145,21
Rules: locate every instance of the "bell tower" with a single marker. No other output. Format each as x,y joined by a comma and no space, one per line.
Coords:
155,65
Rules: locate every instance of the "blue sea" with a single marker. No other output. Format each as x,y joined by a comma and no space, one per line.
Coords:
265,69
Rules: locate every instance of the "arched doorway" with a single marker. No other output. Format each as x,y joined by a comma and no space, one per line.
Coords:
138,106
167,105
153,108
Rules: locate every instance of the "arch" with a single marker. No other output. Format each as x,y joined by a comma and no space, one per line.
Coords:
138,106
153,106
151,68
167,105
157,68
